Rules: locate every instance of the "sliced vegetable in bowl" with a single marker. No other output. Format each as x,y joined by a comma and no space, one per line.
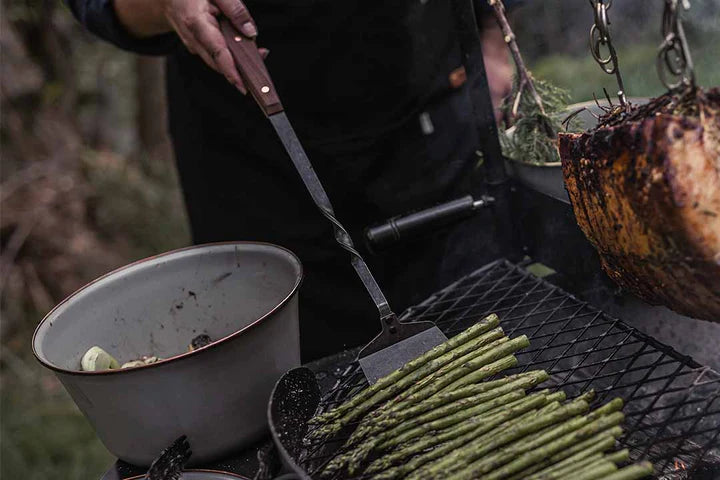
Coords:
96,359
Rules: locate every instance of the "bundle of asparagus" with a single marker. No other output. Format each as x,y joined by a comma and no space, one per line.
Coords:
439,417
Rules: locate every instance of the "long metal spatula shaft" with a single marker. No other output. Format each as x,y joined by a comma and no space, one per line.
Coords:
401,341
297,154
397,343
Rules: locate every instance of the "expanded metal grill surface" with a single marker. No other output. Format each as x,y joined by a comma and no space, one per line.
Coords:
672,404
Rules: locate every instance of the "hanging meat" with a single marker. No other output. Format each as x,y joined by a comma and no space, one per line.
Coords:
645,189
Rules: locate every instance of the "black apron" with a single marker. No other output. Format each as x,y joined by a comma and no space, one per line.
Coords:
354,77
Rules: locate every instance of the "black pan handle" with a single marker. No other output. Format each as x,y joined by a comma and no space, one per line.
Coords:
415,224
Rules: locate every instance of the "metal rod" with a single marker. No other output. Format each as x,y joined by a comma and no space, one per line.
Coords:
286,133
674,57
600,36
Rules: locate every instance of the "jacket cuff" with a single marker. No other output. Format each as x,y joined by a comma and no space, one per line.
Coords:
100,18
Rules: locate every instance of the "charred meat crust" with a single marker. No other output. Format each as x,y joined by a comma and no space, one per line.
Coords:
646,193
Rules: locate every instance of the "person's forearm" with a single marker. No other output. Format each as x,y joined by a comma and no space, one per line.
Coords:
142,18
497,62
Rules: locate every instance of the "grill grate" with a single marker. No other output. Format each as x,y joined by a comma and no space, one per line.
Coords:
672,403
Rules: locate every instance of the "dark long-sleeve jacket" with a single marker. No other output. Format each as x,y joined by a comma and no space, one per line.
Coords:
379,60
99,18
355,77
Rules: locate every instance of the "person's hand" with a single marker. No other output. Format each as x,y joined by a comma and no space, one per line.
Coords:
196,22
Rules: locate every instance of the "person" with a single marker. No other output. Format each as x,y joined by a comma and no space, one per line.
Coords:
377,95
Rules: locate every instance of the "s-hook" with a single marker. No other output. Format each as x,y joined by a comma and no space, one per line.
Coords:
599,37
674,63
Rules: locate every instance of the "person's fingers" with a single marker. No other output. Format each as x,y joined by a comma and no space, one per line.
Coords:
194,46
226,66
264,52
208,59
185,36
239,16
207,33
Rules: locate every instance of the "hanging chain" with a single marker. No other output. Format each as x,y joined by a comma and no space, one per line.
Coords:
674,63
599,37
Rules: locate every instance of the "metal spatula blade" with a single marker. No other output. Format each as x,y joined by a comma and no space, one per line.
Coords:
398,343
380,358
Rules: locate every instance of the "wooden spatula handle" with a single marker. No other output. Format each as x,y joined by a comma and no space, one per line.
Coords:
252,69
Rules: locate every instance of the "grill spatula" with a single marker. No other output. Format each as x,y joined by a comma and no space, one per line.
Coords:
397,343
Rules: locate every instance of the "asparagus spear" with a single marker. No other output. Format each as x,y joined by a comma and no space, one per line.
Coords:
595,471
462,367
370,423
331,428
488,443
587,397
614,405
516,408
498,409
360,453
552,432
482,349
591,445
619,456
600,442
490,322
556,474
501,420
497,469
509,424
419,385
526,444
450,415
462,381
632,472
446,425
354,457
494,363
575,455
472,370
444,404
401,434
560,473
555,400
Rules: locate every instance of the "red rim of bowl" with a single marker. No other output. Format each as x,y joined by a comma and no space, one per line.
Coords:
183,355
193,470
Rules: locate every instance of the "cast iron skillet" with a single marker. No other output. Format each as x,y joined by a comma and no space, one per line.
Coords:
293,402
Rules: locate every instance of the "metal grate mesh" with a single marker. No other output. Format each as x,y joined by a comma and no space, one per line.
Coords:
672,403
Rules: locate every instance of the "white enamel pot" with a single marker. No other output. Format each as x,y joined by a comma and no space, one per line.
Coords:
243,295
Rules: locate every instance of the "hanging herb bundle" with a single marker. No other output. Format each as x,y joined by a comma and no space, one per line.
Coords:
533,137
534,110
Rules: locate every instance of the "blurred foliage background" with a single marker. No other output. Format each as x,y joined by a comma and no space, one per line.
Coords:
88,182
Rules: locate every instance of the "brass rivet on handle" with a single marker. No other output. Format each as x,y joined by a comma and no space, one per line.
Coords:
265,89
237,38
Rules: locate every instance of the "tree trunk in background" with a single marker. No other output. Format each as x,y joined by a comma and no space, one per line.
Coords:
152,112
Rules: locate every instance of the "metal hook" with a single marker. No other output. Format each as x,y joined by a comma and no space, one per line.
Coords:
599,37
674,53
